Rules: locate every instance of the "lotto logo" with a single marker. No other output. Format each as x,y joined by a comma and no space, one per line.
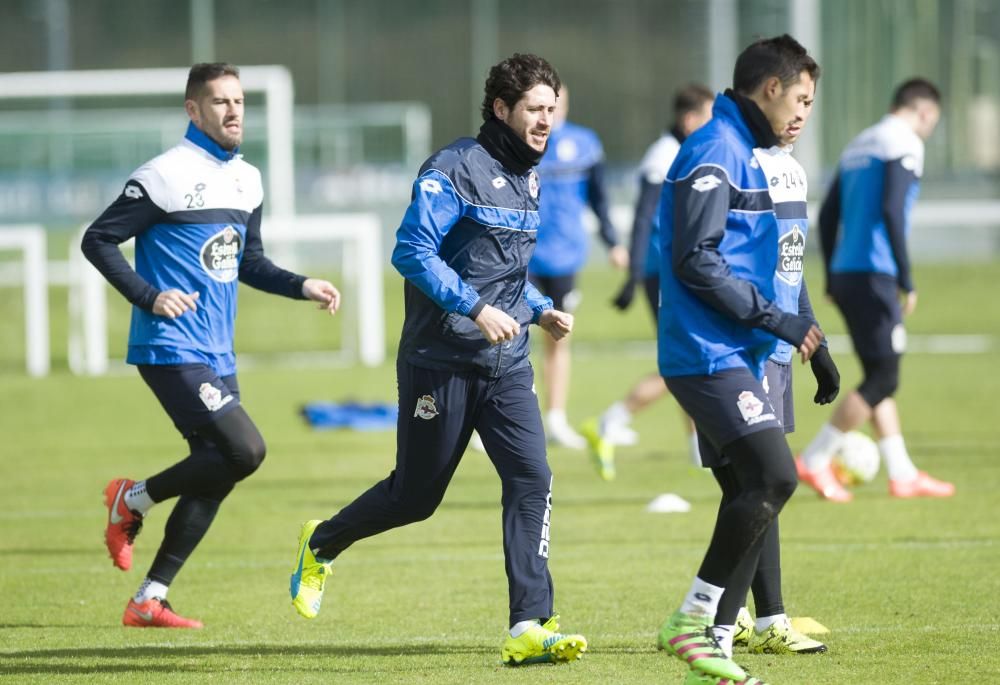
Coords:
133,192
706,183
429,185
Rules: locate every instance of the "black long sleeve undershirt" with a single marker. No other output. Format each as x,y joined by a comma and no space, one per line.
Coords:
829,225
597,197
896,186
128,216
259,272
642,227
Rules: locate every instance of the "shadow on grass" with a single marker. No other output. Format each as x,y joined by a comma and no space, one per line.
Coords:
137,659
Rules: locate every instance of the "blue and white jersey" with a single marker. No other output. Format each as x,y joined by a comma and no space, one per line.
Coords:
464,242
721,236
195,214
572,174
877,183
788,188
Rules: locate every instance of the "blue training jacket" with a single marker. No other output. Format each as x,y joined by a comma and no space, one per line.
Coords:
873,193
572,171
722,224
465,241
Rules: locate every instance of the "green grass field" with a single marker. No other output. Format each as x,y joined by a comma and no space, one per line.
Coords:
909,589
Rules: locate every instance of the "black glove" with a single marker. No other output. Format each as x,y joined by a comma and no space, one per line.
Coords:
827,376
625,296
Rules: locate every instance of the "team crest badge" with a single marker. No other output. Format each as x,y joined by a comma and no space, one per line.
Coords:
533,184
750,406
212,397
426,409
898,338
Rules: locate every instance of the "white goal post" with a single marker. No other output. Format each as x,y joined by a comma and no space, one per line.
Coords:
360,234
30,241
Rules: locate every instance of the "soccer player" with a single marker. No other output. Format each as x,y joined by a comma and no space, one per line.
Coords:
868,274
195,214
692,109
463,247
772,632
572,171
726,204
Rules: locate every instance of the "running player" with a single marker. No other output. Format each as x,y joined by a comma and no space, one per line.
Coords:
692,109
463,248
195,213
868,276
572,171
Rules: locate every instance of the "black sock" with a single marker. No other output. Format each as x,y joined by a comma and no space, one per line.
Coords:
187,525
767,598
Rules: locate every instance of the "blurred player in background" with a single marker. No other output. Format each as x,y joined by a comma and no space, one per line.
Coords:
730,197
195,213
692,108
572,172
868,275
463,247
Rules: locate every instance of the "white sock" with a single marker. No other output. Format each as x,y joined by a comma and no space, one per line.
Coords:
556,417
702,599
724,636
896,458
693,452
137,499
764,622
518,628
615,416
820,451
149,589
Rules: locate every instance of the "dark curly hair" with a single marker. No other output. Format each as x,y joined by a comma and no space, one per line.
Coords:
515,76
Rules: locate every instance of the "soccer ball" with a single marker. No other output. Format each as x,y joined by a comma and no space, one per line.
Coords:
858,459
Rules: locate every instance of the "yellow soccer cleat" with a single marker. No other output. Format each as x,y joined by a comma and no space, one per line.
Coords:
743,628
602,450
782,638
308,575
542,644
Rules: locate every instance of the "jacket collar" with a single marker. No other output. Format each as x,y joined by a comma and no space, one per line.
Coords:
506,147
202,140
744,114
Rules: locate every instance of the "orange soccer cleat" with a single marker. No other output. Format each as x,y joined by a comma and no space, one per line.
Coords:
824,482
155,613
123,524
921,486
